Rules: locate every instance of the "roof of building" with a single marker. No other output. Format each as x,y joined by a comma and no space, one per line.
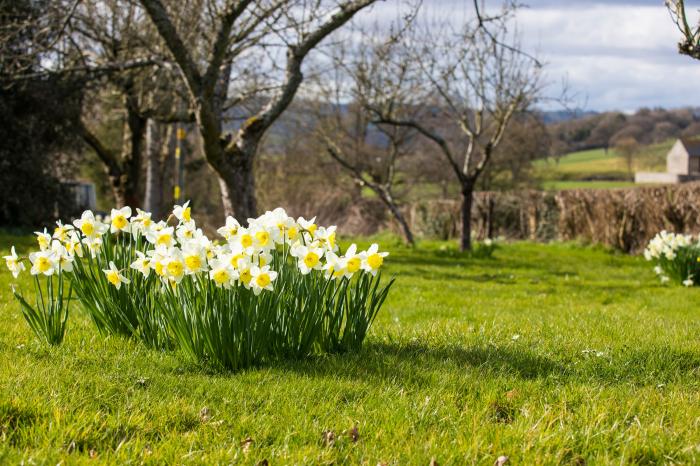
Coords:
692,146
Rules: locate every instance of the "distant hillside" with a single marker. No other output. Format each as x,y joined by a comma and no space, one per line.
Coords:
557,116
603,130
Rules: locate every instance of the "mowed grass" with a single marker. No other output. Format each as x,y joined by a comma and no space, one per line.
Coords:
548,354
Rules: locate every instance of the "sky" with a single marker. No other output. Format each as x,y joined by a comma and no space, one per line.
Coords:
614,55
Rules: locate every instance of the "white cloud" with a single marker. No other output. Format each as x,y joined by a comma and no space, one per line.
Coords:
621,54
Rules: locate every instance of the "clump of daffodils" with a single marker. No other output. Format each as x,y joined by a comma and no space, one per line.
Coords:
676,257
277,286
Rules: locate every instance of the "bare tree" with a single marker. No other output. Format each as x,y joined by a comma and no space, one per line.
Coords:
369,153
470,83
245,29
627,147
690,41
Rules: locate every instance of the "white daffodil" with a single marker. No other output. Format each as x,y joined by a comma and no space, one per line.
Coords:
43,262
307,225
62,231
308,258
353,261
688,281
244,239
142,264
120,219
73,244
14,263
161,236
183,213
142,222
89,225
262,259
94,245
114,276
261,279
43,239
262,239
222,273
335,266
229,230
327,237
174,265
195,257
64,260
158,257
185,231
372,259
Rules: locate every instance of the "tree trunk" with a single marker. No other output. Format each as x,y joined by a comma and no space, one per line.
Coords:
153,198
237,184
396,212
132,143
467,199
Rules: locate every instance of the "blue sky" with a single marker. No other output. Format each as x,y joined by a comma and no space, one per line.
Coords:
615,54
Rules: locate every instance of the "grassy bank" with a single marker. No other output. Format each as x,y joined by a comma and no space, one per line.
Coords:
544,353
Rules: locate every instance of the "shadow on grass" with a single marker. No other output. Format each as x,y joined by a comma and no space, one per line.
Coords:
415,363
418,364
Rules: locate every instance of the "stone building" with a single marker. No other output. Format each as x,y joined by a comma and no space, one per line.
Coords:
682,164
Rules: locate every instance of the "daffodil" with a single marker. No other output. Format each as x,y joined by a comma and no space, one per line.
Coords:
43,239
335,266
142,222
194,257
162,237
62,231
308,225
353,261
14,263
43,262
142,264
120,219
89,225
183,213
372,259
114,276
222,273
229,230
327,237
73,244
262,239
261,279
174,266
308,258
64,261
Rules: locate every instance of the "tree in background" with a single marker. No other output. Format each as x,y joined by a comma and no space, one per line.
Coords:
627,147
690,41
38,119
471,82
247,35
370,153
526,140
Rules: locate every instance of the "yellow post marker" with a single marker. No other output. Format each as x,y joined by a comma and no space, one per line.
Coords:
179,164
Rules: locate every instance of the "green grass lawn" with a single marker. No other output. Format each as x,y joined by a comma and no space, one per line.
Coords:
549,354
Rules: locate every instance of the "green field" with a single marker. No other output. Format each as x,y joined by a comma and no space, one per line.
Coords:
549,354
598,169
